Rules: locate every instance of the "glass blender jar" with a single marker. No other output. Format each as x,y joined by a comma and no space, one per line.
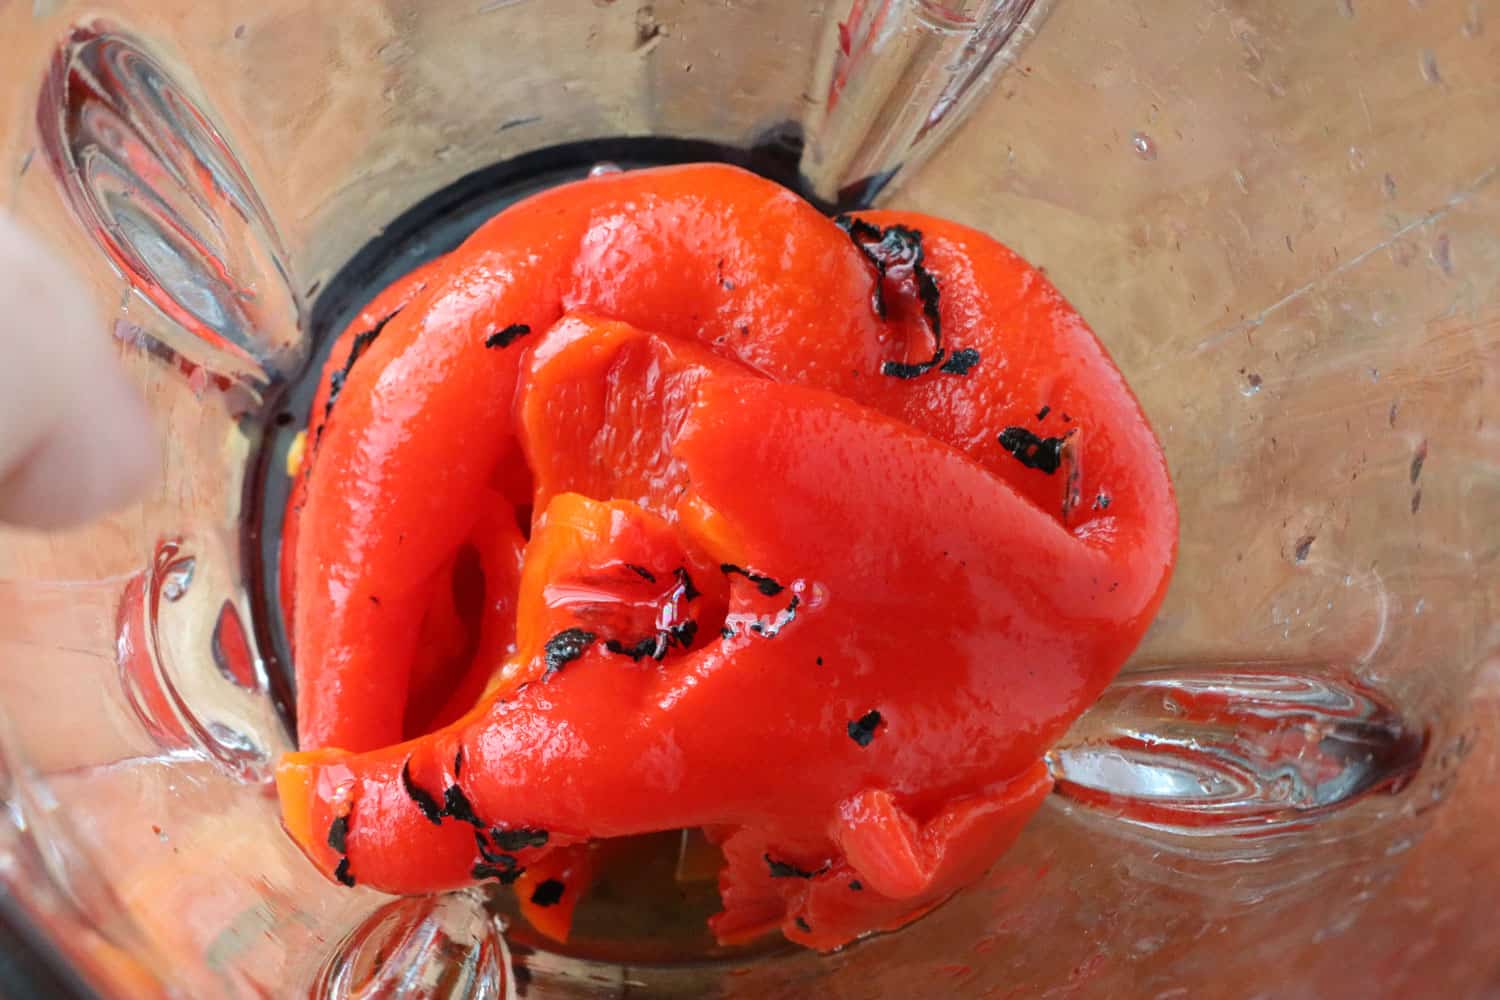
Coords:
1279,221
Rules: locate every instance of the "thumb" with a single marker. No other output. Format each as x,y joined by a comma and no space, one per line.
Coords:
75,437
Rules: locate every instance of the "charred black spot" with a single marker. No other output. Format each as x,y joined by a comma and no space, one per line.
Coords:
549,893
565,647
909,369
493,856
781,869
520,838
1102,501
458,762
783,619
642,572
685,581
931,295
338,835
856,886
859,230
1042,413
362,343
764,584
962,361
897,250
862,730
424,799
342,873
505,876
457,805
1043,454
892,248
504,338
654,646
683,633
802,926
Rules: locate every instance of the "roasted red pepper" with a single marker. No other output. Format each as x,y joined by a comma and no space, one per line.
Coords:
834,527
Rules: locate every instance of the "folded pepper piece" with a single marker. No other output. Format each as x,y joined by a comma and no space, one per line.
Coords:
838,526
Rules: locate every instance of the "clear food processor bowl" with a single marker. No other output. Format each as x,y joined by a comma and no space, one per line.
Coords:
1280,218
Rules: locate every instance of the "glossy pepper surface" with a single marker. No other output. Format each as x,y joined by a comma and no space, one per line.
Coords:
667,502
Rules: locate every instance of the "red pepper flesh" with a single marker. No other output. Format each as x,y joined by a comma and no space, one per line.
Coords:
834,529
